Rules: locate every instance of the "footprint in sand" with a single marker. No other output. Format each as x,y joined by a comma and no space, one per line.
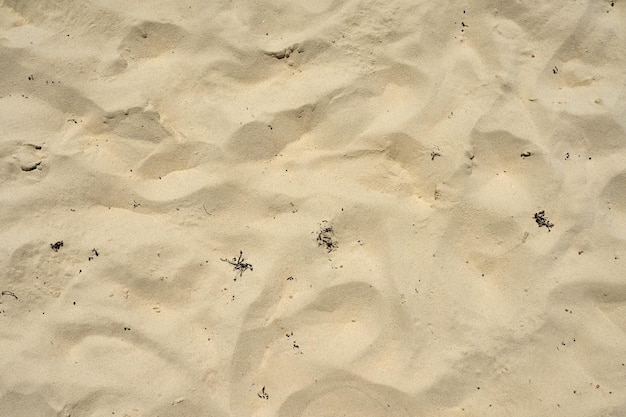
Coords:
29,157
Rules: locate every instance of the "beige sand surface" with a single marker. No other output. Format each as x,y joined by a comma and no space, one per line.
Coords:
379,163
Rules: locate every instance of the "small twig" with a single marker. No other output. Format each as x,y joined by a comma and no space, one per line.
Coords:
10,293
239,264
206,211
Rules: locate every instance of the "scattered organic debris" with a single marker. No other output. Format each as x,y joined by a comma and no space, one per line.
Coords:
435,152
95,252
239,264
263,394
542,221
326,237
525,154
56,246
295,346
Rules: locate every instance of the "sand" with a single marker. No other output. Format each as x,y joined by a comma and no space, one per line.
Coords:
299,209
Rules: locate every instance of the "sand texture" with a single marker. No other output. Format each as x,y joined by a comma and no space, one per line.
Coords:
312,208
